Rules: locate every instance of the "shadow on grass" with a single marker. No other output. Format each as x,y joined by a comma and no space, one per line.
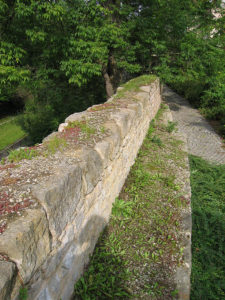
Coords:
105,274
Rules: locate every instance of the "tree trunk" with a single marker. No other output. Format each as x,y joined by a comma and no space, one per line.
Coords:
108,85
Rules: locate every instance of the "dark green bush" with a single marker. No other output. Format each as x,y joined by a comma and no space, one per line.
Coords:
53,104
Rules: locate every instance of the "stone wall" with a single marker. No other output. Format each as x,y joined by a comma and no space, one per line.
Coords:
48,245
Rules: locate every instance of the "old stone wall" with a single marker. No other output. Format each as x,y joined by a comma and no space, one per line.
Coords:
48,245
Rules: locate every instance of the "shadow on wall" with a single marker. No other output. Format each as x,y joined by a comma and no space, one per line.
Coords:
106,273
63,269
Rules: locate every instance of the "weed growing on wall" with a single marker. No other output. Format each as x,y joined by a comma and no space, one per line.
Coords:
134,85
139,248
84,127
23,295
55,144
22,153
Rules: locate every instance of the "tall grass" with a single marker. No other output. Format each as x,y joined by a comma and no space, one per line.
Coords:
208,233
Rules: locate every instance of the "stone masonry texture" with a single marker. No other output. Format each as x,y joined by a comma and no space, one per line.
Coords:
49,246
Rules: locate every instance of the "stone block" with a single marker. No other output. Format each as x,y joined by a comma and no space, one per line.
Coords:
27,242
92,166
114,138
76,117
49,137
62,127
103,148
145,88
7,279
59,196
123,119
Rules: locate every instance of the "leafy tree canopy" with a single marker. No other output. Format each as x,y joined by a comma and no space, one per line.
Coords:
53,49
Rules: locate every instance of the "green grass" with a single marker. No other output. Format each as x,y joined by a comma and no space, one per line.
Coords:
139,247
6,119
84,126
22,153
208,232
10,132
134,84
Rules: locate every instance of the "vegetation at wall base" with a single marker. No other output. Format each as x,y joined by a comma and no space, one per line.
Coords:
208,240
140,246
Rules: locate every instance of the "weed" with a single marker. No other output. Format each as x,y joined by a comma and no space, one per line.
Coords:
102,129
55,144
23,294
156,140
134,85
83,125
171,126
22,153
122,208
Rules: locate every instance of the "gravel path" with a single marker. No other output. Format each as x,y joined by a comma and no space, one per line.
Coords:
203,141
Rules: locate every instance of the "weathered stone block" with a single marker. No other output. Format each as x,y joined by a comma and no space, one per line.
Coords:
92,166
76,117
123,119
7,279
114,139
27,242
59,197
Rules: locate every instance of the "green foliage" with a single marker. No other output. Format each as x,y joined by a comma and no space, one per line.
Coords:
139,241
208,215
55,144
39,120
83,125
122,208
21,153
105,276
156,140
23,294
171,126
64,53
193,61
134,85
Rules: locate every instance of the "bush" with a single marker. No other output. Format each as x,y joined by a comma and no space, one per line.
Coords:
53,102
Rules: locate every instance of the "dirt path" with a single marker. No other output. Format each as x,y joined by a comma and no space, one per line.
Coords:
203,141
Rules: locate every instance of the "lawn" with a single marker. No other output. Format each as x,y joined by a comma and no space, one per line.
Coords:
208,232
10,132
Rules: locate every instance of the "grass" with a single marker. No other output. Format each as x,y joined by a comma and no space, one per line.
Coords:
208,232
140,246
49,148
134,85
6,119
83,125
10,132
22,153
54,144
